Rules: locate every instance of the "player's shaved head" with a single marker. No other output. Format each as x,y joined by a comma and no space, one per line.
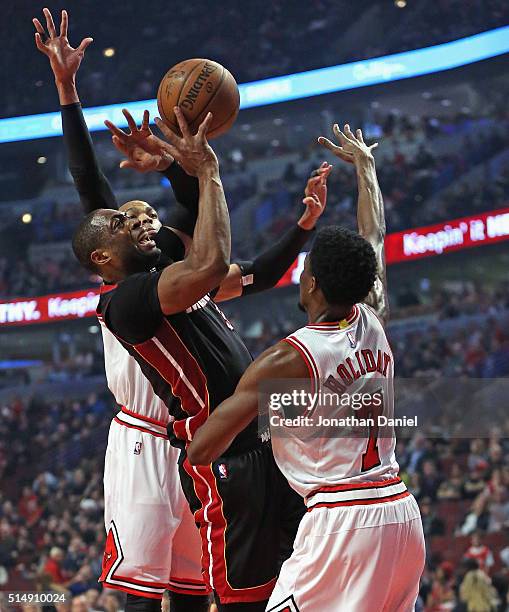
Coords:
91,234
136,205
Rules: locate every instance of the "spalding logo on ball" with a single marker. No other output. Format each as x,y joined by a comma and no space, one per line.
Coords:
199,86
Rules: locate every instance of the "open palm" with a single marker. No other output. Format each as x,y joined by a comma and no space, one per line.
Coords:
64,59
144,151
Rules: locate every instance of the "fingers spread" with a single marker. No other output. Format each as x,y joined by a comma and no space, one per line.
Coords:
130,121
63,24
146,120
311,200
120,145
168,134
116,131
49,23
38,26
84,44
348,132
328,144
174,152
325,173
127,164
204,126
39,44
344,137
184,128
325,168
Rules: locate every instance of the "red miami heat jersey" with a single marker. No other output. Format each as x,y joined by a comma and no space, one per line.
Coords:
352,356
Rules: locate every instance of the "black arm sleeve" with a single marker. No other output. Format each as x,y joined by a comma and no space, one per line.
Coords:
170,244
268,268
92,186
187,193
133,312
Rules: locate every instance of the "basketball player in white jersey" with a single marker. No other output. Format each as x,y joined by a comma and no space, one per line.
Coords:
360,546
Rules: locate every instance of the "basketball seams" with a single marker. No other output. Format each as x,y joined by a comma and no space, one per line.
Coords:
211,134
204,110
225,87
198,67
161,110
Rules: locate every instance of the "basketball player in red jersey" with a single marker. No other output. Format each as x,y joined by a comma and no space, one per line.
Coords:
360,546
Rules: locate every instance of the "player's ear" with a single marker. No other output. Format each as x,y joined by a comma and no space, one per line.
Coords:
313,285
100,257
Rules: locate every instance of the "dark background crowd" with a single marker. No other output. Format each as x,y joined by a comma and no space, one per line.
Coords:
254,40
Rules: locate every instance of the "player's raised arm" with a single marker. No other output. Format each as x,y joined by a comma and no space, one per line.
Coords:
265,271
92,186
206,264
370,206
235,413
145,152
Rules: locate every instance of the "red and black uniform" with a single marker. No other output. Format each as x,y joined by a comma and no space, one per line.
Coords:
246,513
245,510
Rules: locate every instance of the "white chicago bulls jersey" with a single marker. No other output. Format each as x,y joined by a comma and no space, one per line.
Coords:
129,385
341,443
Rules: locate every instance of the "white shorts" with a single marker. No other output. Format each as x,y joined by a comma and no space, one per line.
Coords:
354,558
152,541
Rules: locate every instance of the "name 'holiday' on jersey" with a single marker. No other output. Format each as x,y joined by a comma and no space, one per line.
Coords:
339,444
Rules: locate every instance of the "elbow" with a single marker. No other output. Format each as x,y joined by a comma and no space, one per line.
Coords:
373,234
197,456
222,268
215,270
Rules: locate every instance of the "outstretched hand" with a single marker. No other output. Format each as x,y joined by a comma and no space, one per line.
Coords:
191,151
145,152
64,59
315,197
351,148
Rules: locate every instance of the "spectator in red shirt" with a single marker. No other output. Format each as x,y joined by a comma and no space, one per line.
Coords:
53,567
480,552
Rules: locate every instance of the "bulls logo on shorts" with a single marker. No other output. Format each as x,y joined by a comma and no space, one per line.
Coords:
110,556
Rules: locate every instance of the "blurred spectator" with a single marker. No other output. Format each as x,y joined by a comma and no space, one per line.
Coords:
442,596
53,566
480,553
283,38
432,524
477,592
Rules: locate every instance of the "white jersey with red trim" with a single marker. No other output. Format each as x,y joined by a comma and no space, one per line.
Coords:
341,444
126,381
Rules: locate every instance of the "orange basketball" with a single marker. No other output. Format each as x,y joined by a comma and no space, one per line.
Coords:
198,86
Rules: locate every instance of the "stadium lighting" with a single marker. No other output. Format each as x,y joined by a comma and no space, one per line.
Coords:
400,3
27,218
109,52
42,160
293,86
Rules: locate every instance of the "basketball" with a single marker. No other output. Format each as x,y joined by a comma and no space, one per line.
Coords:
199,86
